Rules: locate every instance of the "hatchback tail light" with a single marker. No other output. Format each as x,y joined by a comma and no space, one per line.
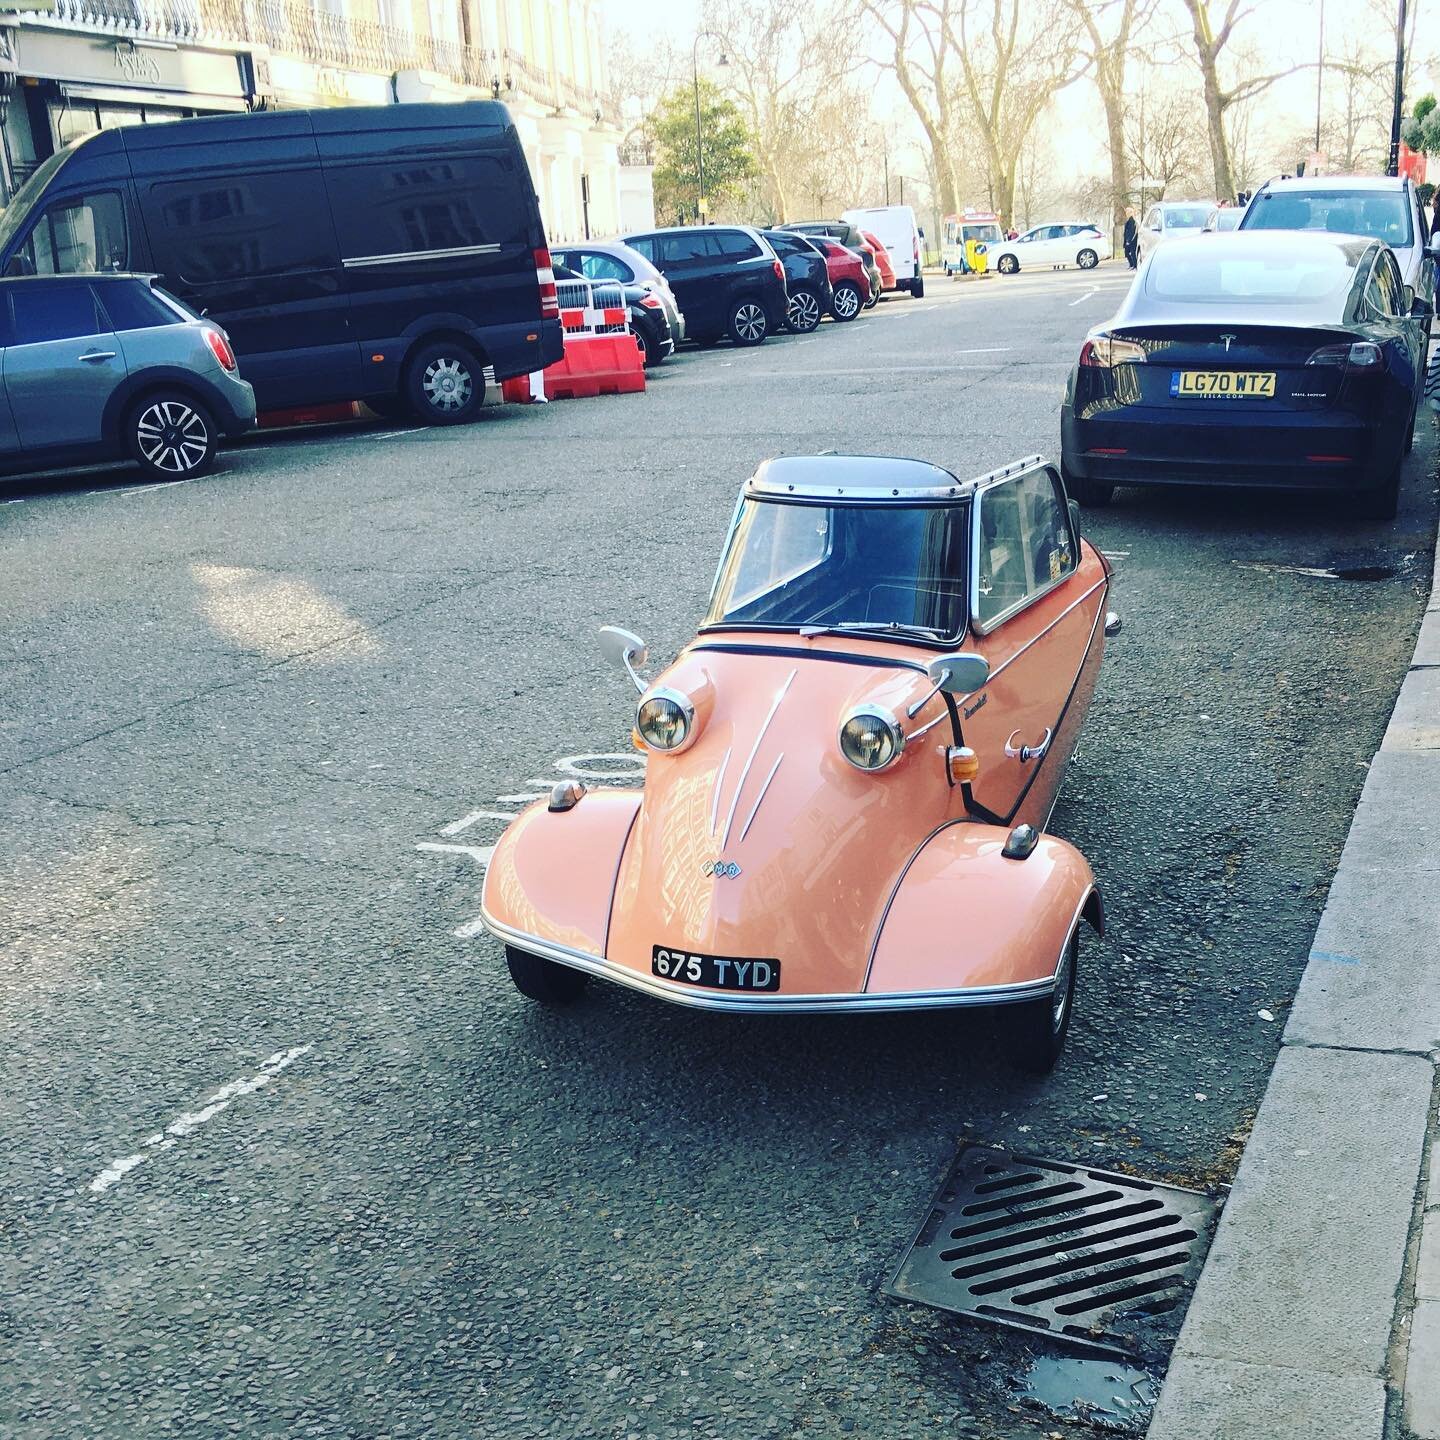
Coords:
1362,354
779,271
549,296
220,348
1104,352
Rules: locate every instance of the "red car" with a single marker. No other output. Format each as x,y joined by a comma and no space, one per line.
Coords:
882,261
849,284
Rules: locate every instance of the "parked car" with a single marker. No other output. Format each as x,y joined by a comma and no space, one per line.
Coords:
848,769
1063,242
849,283
1286,360
614,260
645,314
1381,207
898,237
1223,218
1170,219
807,280
882,262
107,367
385,253
850,237
727,279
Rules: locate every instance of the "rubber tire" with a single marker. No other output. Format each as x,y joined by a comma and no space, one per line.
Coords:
1008,265
170,397
917,288
413,385
848,288
1087,264
873,301
1036,1041
1092,494
544,980
648,357
803,292
1380,503
732,325
1414,415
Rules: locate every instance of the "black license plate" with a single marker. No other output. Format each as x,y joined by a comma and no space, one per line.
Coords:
718,972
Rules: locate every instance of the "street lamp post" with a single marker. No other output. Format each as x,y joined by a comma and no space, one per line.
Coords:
699,141
1394,168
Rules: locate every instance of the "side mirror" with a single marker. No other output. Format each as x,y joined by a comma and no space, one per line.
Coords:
624,647
959,674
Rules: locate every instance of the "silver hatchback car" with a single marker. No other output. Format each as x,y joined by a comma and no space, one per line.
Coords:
105,367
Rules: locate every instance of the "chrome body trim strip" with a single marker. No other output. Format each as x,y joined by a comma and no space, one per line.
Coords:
715,796
755,810
754,751
407,257
773,1004
1041,634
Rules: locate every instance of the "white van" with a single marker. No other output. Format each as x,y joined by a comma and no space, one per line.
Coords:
894,226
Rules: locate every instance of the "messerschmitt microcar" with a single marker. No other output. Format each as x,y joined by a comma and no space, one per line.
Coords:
848,771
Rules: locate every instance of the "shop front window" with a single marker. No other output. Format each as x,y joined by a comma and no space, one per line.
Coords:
76,237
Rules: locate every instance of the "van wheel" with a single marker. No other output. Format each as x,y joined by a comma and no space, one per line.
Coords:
444,383
917,288
1038,1027
171,436
542,979
749,323
845,302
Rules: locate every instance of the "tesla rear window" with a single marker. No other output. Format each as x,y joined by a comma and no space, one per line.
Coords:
1214,278
1380,214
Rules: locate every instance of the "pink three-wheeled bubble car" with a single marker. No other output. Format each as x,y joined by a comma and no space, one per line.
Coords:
849,768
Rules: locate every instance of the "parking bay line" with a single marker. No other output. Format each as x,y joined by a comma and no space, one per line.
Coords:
1081,299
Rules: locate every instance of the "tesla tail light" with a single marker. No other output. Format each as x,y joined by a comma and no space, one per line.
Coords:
549,296
220,348
1362,354
1104,352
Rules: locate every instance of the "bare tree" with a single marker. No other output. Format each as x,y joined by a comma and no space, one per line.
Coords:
1161,145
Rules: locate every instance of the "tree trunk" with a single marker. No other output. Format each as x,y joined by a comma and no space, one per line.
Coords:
1206,54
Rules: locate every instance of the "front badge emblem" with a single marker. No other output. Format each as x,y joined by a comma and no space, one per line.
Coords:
720,869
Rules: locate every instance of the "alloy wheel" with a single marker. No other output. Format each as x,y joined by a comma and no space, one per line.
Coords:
1087,260
804,311
847,302
447,383
1008,265
172,437
750,322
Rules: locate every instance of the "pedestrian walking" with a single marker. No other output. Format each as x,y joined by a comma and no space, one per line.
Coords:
1131,238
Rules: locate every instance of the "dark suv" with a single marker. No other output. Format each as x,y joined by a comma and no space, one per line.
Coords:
849,236
807,279
726,277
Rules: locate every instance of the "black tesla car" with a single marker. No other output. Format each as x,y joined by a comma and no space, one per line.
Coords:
1287,359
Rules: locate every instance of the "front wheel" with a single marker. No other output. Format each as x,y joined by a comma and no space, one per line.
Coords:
1007,265
803,312
444,383
542,979
171,436
845,302
1038,1028
1087,259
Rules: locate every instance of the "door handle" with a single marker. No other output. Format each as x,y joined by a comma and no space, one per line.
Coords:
93,356
1023,753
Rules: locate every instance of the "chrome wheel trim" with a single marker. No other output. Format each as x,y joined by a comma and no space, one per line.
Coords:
1007,265
804,311
171,436
1087,260
447,383
1060,996
847,302
749,321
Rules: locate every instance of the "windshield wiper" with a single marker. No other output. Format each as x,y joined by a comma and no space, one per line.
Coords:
889,627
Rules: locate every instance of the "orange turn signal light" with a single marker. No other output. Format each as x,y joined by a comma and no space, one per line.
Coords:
963,764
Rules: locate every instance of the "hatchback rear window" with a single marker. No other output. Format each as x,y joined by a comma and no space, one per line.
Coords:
131,306
1380,214
1213,278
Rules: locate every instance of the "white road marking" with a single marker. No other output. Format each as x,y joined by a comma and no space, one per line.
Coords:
191,1120
480,854
147,489
466,821
389,434
1084,297
523,799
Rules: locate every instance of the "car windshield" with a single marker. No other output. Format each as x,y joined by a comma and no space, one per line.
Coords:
876,568
22,203
1379,214
1220,275
1185,217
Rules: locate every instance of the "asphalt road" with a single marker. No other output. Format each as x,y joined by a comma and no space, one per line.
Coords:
285,1155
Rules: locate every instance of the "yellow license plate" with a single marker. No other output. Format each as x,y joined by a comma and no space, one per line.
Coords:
1223,384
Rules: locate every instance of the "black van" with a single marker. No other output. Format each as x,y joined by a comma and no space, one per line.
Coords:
384,253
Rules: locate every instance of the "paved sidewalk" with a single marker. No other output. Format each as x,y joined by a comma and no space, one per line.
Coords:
1318,1312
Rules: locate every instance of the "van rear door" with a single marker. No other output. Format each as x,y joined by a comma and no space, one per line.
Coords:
239,230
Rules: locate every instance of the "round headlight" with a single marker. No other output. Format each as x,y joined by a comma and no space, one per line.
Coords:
870,738
665,719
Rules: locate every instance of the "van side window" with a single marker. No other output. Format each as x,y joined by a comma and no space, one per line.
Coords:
401,207
1026,544
75,237
232,227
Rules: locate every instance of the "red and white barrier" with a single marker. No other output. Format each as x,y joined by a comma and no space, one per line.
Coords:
601,356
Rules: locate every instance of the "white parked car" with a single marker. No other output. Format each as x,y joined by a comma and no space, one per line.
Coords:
895,228
1170,218
1061,242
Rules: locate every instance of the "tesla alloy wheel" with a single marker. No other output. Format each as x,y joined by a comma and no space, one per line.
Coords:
803,314
172,436
1007,265
1087,259
845,304
445,384
748,322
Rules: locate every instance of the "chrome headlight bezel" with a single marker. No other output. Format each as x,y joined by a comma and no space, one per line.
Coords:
888,722
686,707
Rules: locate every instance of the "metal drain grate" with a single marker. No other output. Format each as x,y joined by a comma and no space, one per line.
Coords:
1103,1260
